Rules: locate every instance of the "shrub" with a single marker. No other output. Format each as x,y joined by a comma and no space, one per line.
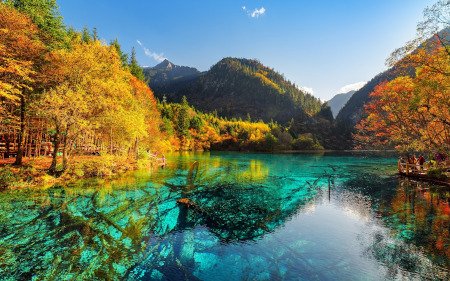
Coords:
437,173
306,142
7,177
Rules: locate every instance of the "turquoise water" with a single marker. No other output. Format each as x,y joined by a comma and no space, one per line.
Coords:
250,217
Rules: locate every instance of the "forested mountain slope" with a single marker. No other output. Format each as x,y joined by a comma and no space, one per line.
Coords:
240,88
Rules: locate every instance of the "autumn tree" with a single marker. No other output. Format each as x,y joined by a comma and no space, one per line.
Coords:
67,109
45,15
21,54
435,25
145,98
411,113
99,94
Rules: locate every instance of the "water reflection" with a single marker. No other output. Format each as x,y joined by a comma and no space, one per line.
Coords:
253,217
416,215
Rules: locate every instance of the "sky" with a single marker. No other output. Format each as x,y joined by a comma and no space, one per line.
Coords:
324,46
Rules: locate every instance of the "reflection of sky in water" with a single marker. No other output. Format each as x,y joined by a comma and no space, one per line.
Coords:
253,216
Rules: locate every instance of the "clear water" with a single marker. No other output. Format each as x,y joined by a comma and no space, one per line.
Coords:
252,217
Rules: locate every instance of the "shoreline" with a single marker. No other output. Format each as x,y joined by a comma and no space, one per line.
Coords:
33,174
425,178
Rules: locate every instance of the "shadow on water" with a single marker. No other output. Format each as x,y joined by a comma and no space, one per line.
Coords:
234,211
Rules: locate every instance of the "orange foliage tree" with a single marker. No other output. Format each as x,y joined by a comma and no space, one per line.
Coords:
146,99
411,113
21,54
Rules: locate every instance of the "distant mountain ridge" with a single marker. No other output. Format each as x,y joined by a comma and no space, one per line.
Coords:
352,111
166,73
235,87
338,102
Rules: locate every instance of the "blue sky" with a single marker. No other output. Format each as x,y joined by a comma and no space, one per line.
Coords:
322,45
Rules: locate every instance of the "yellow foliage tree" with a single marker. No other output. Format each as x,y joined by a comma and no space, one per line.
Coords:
93,91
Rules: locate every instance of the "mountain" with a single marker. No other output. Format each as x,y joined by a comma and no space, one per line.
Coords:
166,75
352,111
236,87
338,102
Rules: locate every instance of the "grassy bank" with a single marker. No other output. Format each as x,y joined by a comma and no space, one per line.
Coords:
34,173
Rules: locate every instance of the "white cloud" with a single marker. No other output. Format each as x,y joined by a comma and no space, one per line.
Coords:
352,87
157,57
307,89
256,13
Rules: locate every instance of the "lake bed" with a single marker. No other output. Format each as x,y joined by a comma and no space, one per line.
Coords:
329,216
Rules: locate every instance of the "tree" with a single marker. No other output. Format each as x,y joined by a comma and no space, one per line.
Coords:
196,123
20,51
436,23
182,125
86,35
147,103
101,96
67,109
45,14
95,34
135,68
411,113
123,56
21,54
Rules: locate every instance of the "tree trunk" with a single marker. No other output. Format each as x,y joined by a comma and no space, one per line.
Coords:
136,148
64,163
52,168
21,133
111,142
8,143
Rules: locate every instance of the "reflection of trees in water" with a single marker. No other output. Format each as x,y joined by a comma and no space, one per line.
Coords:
417,216
95,233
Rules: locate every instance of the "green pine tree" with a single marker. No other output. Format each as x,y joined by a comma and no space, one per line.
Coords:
86,35
182,126
135,68
95,34
123,56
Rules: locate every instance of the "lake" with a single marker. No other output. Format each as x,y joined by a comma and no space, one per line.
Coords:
300,216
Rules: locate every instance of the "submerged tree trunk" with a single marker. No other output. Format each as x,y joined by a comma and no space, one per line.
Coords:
21,132
52,168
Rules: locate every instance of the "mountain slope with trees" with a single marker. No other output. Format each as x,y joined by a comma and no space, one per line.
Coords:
243,88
